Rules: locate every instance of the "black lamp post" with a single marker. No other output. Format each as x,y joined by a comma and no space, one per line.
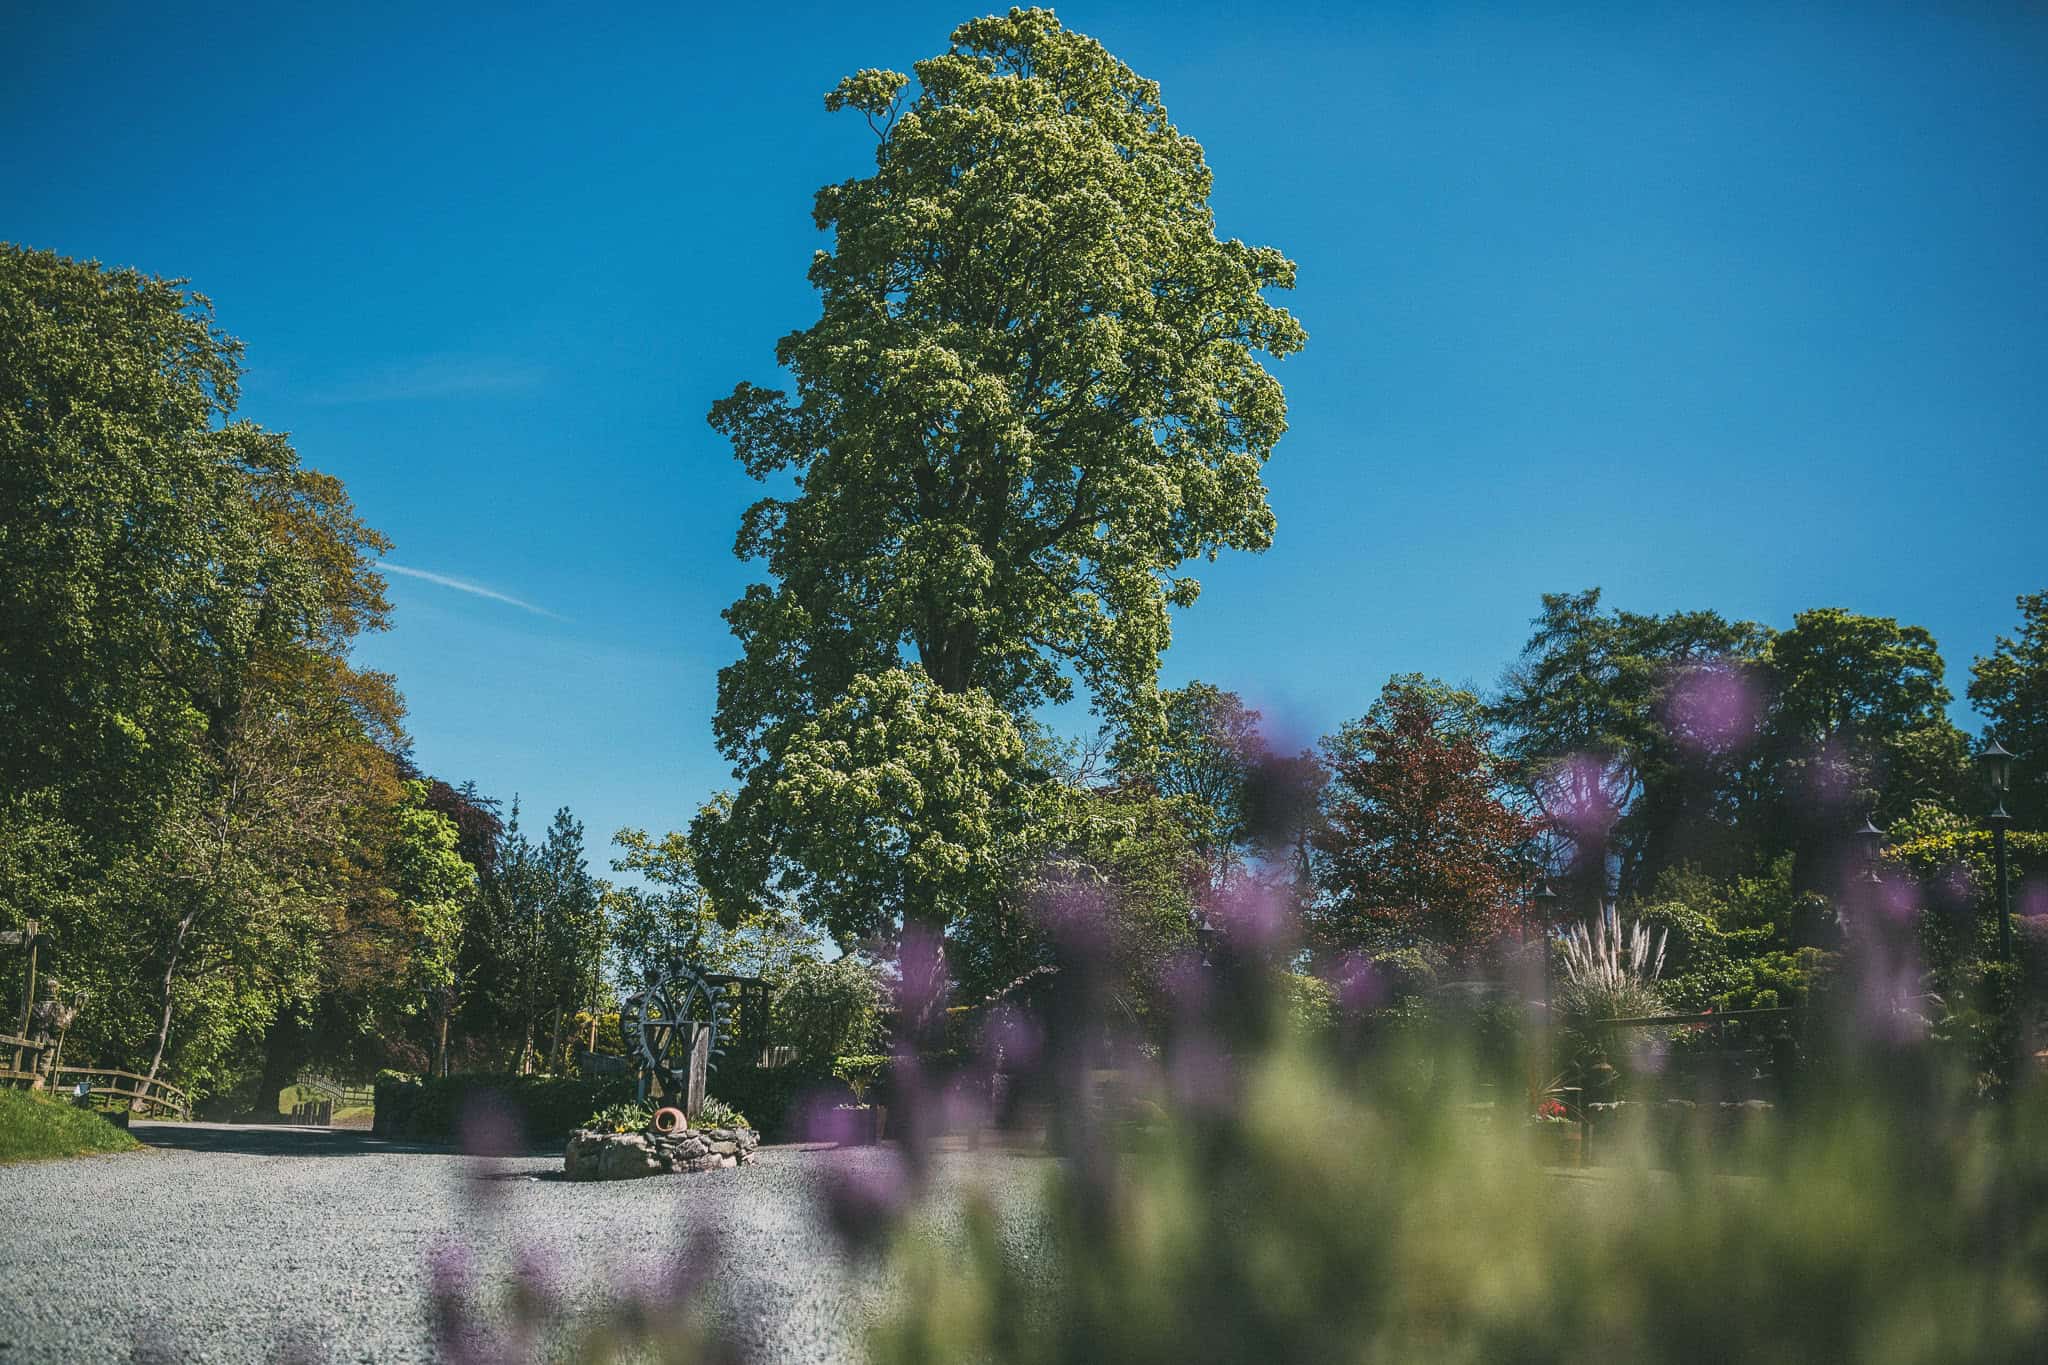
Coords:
1871,840
1205,937
1997,766
1545,902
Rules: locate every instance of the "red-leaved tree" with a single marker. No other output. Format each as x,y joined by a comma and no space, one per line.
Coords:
1417,850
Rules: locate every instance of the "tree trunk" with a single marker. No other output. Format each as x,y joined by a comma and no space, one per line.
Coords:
163,1026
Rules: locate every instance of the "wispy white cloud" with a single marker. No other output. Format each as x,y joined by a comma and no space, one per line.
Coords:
433,376
464,585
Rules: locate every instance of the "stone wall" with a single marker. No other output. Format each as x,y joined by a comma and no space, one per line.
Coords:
628,1156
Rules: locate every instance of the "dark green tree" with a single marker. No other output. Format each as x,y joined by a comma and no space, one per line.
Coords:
1857,726
1633,738
2009,687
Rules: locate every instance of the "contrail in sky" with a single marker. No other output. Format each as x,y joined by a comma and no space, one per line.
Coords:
463,585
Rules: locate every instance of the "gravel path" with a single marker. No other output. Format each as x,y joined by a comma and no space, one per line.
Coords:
225,1244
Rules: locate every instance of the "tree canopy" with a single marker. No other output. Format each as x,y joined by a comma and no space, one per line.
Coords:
1032,394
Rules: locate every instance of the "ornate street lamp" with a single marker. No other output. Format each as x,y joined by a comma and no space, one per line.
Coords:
1871,840
1996,764
1205,937
1544,901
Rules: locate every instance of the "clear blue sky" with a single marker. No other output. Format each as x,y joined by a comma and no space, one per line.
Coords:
1710,306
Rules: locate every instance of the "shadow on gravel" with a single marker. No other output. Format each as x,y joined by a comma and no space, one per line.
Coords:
235,1139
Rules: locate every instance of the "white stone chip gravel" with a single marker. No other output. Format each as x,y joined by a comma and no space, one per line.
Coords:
220,1243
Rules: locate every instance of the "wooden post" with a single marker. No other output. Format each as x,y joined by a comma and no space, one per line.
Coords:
25,937
700,1069
28,988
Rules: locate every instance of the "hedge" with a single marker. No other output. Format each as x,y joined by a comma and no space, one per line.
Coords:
544,1109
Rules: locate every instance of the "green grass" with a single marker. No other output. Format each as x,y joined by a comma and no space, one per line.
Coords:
33,1128
350,1116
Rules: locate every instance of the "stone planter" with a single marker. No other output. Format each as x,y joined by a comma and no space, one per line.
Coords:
628,1156
1555,1144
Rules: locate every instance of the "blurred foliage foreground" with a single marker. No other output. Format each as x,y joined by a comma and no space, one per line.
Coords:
1306,1222
1248,1195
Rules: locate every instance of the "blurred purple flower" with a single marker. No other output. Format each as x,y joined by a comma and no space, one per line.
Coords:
824,1119
1187,985
1359,985
451,1270
1012,1039
864,1199
1828,778
1713,709
488,1128
536,1279
921,985
1254,914
1075,916
1580,802
1200,1076
2031,900
451,1280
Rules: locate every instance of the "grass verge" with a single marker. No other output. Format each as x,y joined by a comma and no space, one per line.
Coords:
34,1128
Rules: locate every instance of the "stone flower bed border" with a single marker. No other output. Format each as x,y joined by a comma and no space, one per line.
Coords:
593,1155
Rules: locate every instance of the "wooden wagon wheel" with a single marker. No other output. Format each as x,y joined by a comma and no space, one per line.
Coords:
655,1023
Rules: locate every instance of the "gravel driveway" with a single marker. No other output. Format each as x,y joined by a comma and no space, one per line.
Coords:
224,1243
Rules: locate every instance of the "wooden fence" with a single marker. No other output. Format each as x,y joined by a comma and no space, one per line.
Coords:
151,1099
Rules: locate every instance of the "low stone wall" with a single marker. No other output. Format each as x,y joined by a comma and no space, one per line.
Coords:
627,1156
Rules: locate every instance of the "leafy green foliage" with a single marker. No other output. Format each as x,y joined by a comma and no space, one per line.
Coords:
826,1009
1308,1005
1858,719
1110,863
627,1116
1628,735
1205,764
1031,395
2010,686
860,1072
716,1113
533,948
1732,946
772,1097
1353,1219
899,801
676,919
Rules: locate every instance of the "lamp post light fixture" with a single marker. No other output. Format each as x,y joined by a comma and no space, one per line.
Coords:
1997,766
1871,840
1205,937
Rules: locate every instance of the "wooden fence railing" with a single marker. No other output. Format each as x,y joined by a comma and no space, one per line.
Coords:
144,1096
159,1099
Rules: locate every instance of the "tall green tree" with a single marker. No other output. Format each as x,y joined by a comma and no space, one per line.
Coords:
673,917
2009,687
1632,736
1857,725
1032,394
177,716
152,545
533,948
1205,764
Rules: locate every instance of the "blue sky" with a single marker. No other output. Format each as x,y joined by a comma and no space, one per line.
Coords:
1704,304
